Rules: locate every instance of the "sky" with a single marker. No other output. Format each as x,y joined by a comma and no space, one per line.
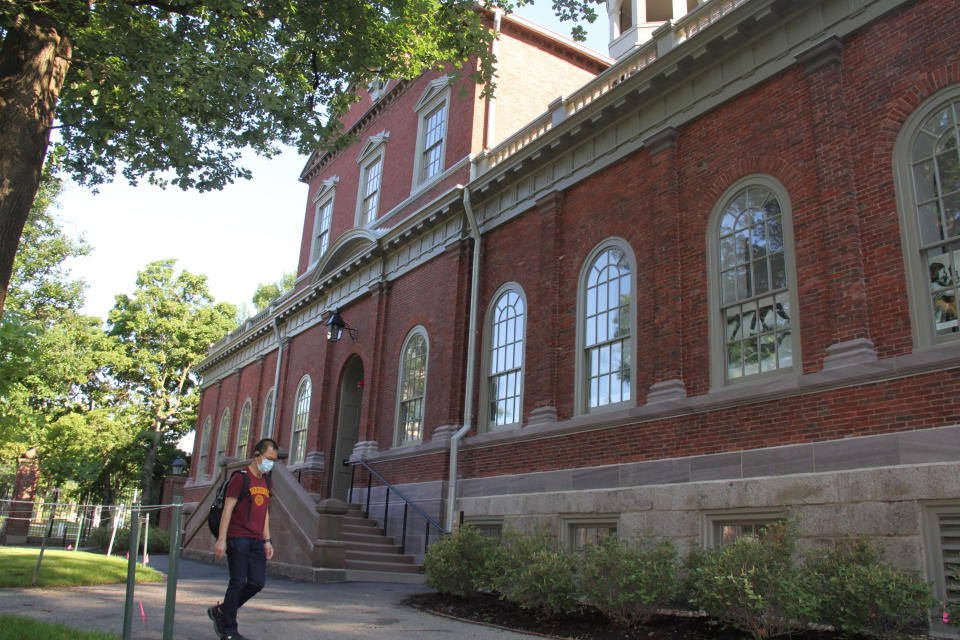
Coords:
246,234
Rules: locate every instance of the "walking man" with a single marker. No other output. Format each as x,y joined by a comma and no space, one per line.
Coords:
245,538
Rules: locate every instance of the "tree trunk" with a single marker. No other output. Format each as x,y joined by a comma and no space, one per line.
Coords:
34,59
146,481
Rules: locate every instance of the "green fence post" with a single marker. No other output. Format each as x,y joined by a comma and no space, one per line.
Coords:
131,569
171,602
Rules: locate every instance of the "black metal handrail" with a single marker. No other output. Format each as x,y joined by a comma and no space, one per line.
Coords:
407,503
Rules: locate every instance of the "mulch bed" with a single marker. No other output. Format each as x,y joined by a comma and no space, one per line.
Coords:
586,625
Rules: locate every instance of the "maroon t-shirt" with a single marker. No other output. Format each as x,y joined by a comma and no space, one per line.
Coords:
257,501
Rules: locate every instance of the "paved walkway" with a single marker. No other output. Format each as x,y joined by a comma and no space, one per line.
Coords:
284,610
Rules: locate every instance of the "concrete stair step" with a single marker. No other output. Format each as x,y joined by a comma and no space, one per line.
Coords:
372,537
373,547
374,556
359,521
368,565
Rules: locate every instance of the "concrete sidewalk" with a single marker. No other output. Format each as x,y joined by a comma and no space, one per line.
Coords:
284,610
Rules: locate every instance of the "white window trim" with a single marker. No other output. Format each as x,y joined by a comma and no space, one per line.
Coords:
711,519
436,93
934,555
580,404
293,423
918,278
266,421
247,410
718,367
568,523
484,423
223,431
325,195
204,453
374,148
398,440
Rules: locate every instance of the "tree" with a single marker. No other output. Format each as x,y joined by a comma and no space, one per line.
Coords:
42,337
173,90
268,292
164,330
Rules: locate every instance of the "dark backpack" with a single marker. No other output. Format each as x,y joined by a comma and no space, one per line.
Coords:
216,509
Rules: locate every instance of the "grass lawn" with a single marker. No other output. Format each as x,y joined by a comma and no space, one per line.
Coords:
64,569
17,628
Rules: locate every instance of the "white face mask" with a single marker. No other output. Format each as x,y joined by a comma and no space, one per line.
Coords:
265,465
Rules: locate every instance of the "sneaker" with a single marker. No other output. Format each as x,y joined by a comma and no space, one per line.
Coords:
216,615
232,636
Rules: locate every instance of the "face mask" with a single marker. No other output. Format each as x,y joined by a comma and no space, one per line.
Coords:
265,465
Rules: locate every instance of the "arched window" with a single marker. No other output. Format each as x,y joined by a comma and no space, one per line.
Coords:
606,334
506,327
204,448
222,434
752,288
266,421
412,387
243,429
301,417
927,160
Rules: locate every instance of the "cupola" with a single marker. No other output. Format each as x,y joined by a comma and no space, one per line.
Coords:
632,22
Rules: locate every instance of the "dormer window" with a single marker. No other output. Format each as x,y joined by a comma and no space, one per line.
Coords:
371,177
322,215
432,108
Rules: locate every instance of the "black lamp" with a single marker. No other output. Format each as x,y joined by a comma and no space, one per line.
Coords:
336,326
178,467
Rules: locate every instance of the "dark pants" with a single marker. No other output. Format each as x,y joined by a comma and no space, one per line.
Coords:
248,573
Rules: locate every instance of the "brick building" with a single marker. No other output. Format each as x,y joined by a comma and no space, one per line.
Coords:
712,282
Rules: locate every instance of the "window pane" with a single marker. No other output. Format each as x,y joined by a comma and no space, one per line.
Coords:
948,169
930,228
924,181
951,214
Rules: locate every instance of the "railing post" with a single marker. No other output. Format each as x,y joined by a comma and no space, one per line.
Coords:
353,473
386,511
366,510
426,537
403,535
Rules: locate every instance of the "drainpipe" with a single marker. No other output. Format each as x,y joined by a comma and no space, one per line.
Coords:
276,379
491,119
471,360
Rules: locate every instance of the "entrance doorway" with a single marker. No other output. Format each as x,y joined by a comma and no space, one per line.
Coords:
348,426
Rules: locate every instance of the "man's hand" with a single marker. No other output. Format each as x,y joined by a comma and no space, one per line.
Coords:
220,548
268,549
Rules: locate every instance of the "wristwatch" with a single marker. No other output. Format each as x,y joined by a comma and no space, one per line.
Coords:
270,540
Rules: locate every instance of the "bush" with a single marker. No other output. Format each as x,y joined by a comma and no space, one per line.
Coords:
458,563
752,585
861,595
99,539
628,581
535,573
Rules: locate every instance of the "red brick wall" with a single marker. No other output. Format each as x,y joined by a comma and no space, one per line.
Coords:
661,206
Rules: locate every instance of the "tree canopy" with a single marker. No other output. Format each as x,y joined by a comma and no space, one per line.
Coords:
174,90
270,291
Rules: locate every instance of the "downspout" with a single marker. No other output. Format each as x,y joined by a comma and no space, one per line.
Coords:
276,378
491,106
471,361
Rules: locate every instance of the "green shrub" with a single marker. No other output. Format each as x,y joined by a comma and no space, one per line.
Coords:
861,595
628,581
752,585
458,563
536,573
99,539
